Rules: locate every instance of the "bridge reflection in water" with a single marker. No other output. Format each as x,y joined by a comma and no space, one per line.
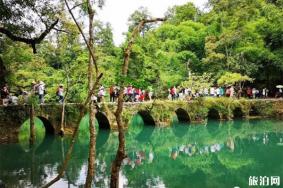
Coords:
172,156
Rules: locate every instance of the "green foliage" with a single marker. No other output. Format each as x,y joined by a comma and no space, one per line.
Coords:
243,37
198,82
229,78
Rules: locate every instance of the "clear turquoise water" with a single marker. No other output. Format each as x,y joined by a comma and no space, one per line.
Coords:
220,154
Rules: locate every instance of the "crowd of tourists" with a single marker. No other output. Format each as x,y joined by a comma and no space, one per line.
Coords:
37,89
135,94
130,94
229,91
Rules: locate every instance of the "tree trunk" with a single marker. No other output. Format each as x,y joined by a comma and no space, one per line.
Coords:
3,73
32,128
83,110
121,154
62,126
92,111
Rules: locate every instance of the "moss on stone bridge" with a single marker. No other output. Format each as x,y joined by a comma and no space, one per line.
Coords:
157,113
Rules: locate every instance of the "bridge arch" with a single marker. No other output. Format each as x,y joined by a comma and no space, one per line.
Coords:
140,129
102,120
146,117
44,131
213,114
238,113
49,129
183,116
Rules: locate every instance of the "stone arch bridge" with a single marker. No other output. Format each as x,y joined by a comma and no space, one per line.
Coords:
157,113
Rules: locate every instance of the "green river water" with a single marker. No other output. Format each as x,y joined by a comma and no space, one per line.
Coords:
216,155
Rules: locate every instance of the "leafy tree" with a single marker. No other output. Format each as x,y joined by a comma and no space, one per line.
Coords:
198,82
179,14
229,78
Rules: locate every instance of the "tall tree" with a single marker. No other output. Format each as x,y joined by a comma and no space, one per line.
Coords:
121,154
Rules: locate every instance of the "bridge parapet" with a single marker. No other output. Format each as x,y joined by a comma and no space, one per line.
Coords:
158,113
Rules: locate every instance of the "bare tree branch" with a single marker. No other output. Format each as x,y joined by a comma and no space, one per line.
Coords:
77,5
61,30
30,41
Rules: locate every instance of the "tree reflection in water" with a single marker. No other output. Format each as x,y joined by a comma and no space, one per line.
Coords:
202,156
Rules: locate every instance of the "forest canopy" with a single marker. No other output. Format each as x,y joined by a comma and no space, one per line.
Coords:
243,37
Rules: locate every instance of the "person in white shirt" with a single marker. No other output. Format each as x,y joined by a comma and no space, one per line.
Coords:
212,91
41,91
101,93
232,91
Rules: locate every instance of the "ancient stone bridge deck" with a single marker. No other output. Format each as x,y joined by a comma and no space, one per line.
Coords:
158,113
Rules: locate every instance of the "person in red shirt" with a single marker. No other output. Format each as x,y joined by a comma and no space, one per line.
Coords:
249,92
141,98
173,93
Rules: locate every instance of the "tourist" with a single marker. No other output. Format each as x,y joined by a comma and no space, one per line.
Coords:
280,92
112,93
142,96
218,92
116,93
228,91
212,91
249,93
264,92
232,91
34,87
125,94
221,91
254,93
93,98
130,93
41,91
101,93
60,93
150,94
173,93
137,93
5,94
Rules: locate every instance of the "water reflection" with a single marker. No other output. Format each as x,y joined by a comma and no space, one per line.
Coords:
216,155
